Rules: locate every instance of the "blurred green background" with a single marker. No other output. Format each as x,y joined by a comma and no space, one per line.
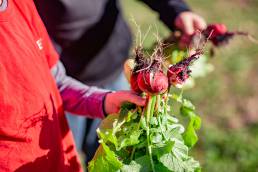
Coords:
227,98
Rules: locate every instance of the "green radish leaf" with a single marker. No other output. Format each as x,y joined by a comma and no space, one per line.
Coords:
177,56
190,136
180,150
184,102
174,131
143,123
110,156
156,138
100,164
126,107
172,163
107,136
159,167
179,165
141,153
106,162
188,104
186,112
125,147
154,121
125,111
132,167
144,161
171,119
164,149
197,122
129,137
142,143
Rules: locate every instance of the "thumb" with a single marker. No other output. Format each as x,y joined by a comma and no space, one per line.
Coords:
187,25
189,22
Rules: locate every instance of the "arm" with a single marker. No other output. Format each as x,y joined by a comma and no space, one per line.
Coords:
168,9
77,97
176,14
82,99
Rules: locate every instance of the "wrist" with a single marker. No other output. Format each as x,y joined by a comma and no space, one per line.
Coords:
104,103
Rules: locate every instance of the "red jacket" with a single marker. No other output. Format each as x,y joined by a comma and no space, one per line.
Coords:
34,135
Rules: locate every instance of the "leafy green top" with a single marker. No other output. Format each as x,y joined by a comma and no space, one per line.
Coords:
123,139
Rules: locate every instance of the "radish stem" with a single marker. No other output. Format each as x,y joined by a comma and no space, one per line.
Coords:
149,114
157,104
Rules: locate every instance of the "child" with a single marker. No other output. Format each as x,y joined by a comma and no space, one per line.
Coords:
34,135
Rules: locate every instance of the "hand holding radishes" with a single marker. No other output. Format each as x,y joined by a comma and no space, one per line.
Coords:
194,33
188,23
114,100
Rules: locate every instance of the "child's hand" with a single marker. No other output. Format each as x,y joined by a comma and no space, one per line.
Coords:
189,22
114,100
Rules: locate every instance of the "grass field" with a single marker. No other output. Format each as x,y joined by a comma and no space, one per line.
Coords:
227,99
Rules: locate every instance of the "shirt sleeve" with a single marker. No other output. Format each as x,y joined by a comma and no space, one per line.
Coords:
168,10
77,97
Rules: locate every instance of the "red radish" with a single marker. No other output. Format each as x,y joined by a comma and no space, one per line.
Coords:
152,82
140,62
148,71
218,34
180,72
216,29
177,75
134,83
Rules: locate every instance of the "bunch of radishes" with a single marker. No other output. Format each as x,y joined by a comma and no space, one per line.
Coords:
147,74
150,75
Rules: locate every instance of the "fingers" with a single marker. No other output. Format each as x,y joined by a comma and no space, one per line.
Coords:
187,25
184,23
189,22
199,23
114,100
132,98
